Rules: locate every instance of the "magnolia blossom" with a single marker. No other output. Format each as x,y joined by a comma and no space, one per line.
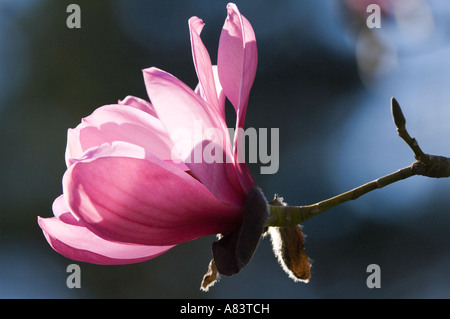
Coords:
126,199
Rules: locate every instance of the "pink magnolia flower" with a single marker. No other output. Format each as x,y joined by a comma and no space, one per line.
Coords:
125,199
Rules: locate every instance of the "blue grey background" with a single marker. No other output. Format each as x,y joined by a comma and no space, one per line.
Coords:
324,79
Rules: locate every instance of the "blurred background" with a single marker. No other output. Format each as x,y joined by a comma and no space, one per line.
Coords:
324,79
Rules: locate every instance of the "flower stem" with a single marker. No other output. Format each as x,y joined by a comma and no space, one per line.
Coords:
425,165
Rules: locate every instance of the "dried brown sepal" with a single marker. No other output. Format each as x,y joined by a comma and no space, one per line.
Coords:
289,247
211,276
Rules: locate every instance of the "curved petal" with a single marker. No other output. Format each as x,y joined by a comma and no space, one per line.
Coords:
139,103
237,59
59,207
119,123
198,89
203,67
189,122
237,62
144,201
71,239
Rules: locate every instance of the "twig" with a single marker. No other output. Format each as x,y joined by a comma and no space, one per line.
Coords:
425,165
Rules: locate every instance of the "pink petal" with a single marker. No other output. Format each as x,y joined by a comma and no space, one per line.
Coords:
237,62
143,201
138,103
119,123
219,90
181,109
203,67
71,239
237,59
59,206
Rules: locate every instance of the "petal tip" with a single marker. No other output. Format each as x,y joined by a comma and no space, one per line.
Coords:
40,220
151,69
154,71
195,20
231,7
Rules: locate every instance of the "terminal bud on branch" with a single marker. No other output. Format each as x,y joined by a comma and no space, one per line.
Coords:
425,164
397,114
